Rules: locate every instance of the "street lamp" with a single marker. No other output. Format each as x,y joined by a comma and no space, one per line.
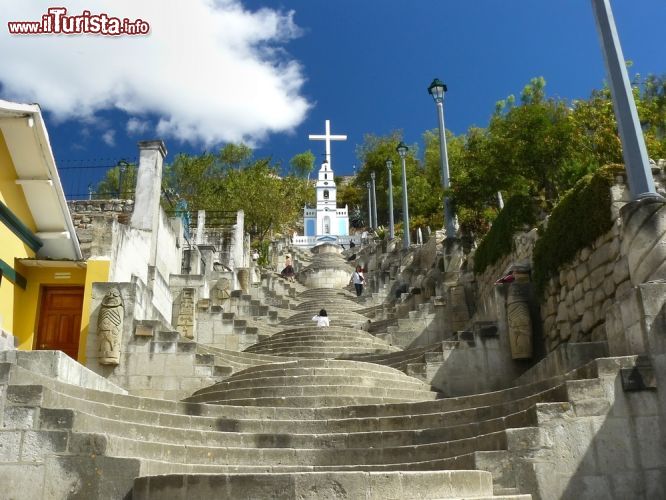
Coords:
374,200
402,151
389,167
436,90
122,168
634,152
368,185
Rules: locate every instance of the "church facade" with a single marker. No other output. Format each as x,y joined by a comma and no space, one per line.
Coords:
326,220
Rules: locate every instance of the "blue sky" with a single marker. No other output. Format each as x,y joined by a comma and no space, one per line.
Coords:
365,65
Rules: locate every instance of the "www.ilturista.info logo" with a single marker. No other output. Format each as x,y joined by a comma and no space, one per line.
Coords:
56,21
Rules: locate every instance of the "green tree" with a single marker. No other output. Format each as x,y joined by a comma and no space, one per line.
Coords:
117,185
302,164
372,154
235,155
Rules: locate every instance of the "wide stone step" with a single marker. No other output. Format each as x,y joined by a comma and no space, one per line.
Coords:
291,373
332,391
329,303
309,380
326,352
336,401
112,445
347,318
318,341
413,415
316,486
204,417
82,422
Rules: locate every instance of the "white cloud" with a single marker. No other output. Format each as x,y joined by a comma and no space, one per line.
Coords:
109,137
210,70
137,127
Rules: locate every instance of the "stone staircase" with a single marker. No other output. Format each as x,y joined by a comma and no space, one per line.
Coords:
50,422
311,412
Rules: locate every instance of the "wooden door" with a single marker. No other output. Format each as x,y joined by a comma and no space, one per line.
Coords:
60,319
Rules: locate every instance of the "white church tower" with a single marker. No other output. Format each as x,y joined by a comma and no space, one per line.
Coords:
325,222
326,219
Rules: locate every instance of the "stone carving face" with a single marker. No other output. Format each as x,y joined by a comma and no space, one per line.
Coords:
112,298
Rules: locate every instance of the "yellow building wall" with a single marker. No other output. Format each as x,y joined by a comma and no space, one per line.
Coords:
11,194
11,246
97,272
19,309
26,312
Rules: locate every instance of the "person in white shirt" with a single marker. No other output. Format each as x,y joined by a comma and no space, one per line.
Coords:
357,279
321,318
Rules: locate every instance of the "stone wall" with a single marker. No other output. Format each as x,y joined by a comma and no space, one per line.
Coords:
87,214
577,301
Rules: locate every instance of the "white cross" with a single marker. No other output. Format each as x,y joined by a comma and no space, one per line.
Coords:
328,138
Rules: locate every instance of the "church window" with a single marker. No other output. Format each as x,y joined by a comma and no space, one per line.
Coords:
325,176
326,194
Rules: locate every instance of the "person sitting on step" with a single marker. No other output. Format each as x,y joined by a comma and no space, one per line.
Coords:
321,318
288,273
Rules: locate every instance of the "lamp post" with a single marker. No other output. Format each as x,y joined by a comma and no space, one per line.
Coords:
636,163
402,151
122,168
374,200
437,90
389,167
368,185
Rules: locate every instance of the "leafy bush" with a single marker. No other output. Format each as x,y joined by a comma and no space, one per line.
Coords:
582,215
519,211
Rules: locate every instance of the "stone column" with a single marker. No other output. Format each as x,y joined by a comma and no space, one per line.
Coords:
148,192
237,249
148,185
201,224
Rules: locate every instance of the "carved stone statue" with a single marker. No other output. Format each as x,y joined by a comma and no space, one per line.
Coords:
110,327
222,290
243,274
520,323
185,321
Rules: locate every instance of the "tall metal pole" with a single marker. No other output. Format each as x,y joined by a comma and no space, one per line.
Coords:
446,181
367,184
636,161
389,167
374,200
437,89
402,149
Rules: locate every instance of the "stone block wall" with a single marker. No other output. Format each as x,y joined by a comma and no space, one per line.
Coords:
86,214
577,301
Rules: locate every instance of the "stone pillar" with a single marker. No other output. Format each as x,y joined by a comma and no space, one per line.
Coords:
148,185
238,242
201,224
148,192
